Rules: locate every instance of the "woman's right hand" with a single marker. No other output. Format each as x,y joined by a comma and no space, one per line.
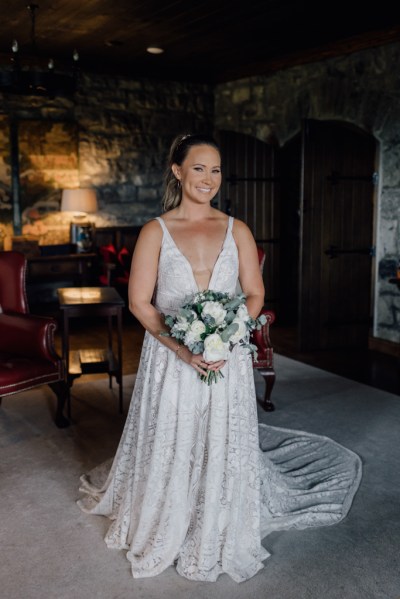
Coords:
195,360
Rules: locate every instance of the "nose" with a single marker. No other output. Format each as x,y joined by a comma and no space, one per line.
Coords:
207,177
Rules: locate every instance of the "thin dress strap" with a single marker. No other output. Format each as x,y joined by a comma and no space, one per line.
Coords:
230,223
162,223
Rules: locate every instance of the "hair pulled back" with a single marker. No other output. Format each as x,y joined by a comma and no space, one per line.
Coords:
179,150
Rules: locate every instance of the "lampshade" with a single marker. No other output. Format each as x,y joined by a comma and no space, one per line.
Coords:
78,200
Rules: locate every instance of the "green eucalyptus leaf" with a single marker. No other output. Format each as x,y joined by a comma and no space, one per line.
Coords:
169,321
233,304
229,331
185,313
230,316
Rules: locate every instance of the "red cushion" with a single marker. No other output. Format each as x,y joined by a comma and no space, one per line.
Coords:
108,253
12,282
125,258
261,258
28,335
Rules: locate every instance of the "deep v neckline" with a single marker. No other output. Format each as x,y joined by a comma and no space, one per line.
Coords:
228,228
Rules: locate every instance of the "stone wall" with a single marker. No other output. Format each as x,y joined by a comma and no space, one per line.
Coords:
363,89
121,130
125,129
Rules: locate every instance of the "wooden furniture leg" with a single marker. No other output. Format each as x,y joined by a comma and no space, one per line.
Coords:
268,375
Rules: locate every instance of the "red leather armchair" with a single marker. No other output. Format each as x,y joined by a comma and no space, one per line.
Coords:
265,359
27,354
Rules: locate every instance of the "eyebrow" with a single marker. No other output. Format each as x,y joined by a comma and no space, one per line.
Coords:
200,164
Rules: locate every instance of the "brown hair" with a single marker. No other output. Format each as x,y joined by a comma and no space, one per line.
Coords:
179,150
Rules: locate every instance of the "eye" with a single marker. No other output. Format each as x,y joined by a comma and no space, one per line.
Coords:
217,171
198,168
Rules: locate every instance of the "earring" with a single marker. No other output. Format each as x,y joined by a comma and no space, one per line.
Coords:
178,183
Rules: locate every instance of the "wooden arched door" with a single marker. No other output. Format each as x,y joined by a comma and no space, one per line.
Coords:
337,194
310,205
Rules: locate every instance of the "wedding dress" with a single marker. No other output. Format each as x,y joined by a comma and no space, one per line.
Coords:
195,480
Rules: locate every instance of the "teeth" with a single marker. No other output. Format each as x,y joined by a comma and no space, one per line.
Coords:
205,189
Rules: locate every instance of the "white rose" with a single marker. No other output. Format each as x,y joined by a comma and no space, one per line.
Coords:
181,324
240,333
193,334
215,349
197,328
242,313
215,310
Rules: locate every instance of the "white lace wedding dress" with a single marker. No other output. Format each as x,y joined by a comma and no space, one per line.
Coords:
195,480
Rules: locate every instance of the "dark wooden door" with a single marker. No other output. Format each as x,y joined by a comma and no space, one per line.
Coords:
336,233
250,192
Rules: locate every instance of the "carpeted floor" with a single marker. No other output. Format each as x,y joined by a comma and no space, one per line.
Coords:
49,549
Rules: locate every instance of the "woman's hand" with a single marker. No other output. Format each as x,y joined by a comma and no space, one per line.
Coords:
198,362
216,366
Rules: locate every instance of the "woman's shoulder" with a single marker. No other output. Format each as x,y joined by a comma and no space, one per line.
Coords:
152,230
240,228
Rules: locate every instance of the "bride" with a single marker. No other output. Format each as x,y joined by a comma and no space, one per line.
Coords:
195,481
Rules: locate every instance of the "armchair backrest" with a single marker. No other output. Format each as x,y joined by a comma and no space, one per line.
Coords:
12,283
261,258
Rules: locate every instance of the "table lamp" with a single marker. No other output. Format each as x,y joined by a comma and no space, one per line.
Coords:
80,202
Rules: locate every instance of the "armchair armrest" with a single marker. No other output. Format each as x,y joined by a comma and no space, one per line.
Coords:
262,341
264,363
28,335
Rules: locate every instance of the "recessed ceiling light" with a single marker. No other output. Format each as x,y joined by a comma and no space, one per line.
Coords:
154,50
114,43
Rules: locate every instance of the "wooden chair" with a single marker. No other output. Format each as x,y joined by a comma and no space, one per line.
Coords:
265,359
27,355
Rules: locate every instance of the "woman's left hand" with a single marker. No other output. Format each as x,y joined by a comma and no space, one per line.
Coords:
216,366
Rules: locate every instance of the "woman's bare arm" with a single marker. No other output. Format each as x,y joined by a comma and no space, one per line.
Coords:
142,281
143,277
249,269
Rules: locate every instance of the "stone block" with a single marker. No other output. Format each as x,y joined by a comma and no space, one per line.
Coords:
241,94
387,269
388,236
147,193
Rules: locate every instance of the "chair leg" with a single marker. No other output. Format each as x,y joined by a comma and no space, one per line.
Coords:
61,391
268,375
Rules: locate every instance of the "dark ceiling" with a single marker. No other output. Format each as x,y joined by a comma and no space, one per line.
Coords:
204,40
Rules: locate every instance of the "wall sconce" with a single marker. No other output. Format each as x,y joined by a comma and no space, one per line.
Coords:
80,202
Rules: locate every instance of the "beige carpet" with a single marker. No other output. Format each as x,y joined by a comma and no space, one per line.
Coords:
49,549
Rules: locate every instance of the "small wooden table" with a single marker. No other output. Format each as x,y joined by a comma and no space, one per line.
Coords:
81,302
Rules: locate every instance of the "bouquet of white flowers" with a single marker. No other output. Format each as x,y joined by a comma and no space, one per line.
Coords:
212,323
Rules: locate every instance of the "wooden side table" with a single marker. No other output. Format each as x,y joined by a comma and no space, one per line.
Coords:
81,302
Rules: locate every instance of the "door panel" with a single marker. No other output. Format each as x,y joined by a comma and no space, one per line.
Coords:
289,158
336,235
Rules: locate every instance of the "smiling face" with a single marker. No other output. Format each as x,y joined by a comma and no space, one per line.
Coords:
199,174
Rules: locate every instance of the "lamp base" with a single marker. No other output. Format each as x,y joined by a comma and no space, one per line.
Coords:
82,235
